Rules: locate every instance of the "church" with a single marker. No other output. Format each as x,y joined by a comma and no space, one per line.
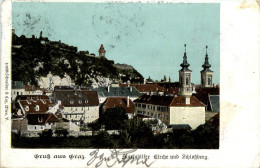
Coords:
183,109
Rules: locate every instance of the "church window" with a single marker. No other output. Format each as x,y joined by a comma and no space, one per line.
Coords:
187,80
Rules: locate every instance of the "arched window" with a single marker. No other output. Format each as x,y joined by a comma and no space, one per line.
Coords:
187,81
209,81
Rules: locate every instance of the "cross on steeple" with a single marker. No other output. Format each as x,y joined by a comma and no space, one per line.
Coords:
185,63
206,64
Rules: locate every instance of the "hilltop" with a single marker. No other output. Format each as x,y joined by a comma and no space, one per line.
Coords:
33,58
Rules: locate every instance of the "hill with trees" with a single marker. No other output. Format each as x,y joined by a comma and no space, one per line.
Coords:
33,58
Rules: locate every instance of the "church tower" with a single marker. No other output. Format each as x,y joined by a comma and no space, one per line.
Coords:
206,73
185,79
101,51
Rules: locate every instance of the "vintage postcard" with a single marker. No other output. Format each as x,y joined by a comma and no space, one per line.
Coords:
130,84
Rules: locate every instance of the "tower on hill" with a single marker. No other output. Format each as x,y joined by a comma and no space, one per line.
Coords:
206,73
101,51
185,78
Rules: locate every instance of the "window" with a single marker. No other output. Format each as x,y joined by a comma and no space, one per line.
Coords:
71,101
26,108
80,101
187,80
151,114
37,108
153,107
209,81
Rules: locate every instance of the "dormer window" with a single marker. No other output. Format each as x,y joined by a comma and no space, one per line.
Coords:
86,100
80,95
43,101
71,101
39,119
26,108
80,101
37,108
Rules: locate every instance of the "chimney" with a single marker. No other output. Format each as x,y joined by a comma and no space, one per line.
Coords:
187,100
127,101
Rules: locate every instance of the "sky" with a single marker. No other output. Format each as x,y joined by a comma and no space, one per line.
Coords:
148,36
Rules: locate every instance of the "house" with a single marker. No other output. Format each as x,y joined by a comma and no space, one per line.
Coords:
105,92
35,113
79,106
18,88
124,102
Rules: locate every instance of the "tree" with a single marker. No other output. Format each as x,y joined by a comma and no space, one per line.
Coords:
113,118
102,140
61,132
46,134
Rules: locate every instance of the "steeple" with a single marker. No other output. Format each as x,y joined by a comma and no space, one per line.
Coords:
206,64
185,78
185,63
206,73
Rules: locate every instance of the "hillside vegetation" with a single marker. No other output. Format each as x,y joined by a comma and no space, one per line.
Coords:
33,58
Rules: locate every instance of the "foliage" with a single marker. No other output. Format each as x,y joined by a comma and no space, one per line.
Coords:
113,118
46,134
59,59
102,140
61,132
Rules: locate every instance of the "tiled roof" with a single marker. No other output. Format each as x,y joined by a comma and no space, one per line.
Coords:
36,106
29,88
214,102
72,98
112,102
147,87
211,90
41,119
17,85
172,91
180,101
155,100
203,95
169,84
31,97
52,118
117,91
63,88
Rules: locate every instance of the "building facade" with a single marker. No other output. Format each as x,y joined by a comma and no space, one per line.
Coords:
78,106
